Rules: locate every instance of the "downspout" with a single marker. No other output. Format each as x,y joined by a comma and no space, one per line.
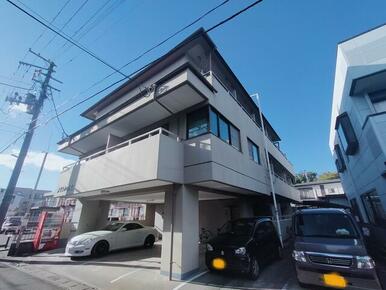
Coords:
172,235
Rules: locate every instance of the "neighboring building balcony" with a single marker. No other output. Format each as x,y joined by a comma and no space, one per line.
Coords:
149,160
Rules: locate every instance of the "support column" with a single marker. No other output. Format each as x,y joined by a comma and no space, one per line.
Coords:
90,215
180,233
149,216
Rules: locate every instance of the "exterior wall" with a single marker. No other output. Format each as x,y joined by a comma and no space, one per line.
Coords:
361,56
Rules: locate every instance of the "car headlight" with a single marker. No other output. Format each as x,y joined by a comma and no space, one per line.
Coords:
241,251
84,242
365,262
209,247
299,256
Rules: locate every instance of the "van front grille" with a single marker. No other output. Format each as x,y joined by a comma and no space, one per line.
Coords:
327,260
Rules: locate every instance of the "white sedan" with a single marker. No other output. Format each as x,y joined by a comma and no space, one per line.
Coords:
114,236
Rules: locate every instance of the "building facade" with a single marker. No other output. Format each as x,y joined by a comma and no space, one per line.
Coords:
22,199
330,191
183,137
358,127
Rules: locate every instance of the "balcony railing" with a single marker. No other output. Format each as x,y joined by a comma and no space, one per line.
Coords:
208,73
136,139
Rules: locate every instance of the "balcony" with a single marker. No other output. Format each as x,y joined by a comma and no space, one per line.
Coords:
169,95
151,159
205,165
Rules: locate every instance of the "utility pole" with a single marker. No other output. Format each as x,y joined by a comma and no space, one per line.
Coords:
34,107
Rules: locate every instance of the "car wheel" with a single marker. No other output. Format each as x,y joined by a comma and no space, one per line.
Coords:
149,241
254,269
100,249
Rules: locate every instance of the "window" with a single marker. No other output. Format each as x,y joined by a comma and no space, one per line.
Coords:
331,190
379,100
213,118
254,152
339,162
132,226
307,193
328,225
235,137
224,129
346,134
374,208
197,122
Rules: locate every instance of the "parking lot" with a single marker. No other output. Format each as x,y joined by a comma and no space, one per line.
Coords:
140,268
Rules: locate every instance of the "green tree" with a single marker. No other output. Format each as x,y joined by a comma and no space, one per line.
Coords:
304,177
328,175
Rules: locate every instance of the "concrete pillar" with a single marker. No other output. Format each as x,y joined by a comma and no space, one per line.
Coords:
149,216
90,215
182,220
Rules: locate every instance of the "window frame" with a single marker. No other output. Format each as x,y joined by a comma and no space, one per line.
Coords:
229,124
339,161
188,115
343,126
253,144
373,216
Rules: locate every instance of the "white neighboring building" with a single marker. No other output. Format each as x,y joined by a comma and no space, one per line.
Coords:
330,191
358,126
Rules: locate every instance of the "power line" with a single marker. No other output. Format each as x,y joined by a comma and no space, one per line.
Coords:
66,38
13,86
52,21
51,98
133,73
162,42
66,23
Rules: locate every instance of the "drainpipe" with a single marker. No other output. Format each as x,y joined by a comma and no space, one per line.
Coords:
269,168
172,235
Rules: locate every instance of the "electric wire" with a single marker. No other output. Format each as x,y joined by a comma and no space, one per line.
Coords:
219,24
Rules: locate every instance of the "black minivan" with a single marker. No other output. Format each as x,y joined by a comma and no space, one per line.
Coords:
243,245
329,250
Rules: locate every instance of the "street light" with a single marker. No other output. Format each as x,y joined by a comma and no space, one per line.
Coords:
256,95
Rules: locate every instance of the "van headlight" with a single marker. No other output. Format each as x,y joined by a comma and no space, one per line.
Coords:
241,251
365,262
209,247
299,256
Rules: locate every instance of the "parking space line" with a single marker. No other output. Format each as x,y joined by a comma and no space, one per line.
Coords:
190,280
124,275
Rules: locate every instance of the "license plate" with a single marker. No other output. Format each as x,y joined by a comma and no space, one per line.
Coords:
334,280
219,264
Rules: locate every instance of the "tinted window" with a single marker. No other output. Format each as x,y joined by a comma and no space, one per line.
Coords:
329,225
238,227
213,122
374,208
197,122
235,137
132,226
254,152
224,129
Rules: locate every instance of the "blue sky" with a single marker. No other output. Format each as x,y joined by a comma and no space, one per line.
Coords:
285,50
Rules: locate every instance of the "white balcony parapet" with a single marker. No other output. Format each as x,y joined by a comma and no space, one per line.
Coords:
146,135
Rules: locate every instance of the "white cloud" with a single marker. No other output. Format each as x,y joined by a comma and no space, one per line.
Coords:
54,162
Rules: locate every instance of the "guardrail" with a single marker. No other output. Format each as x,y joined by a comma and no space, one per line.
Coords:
136,139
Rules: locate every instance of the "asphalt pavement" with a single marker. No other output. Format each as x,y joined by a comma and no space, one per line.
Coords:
13,279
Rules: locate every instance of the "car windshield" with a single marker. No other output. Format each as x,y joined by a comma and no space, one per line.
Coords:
329,225
112,227
238,227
